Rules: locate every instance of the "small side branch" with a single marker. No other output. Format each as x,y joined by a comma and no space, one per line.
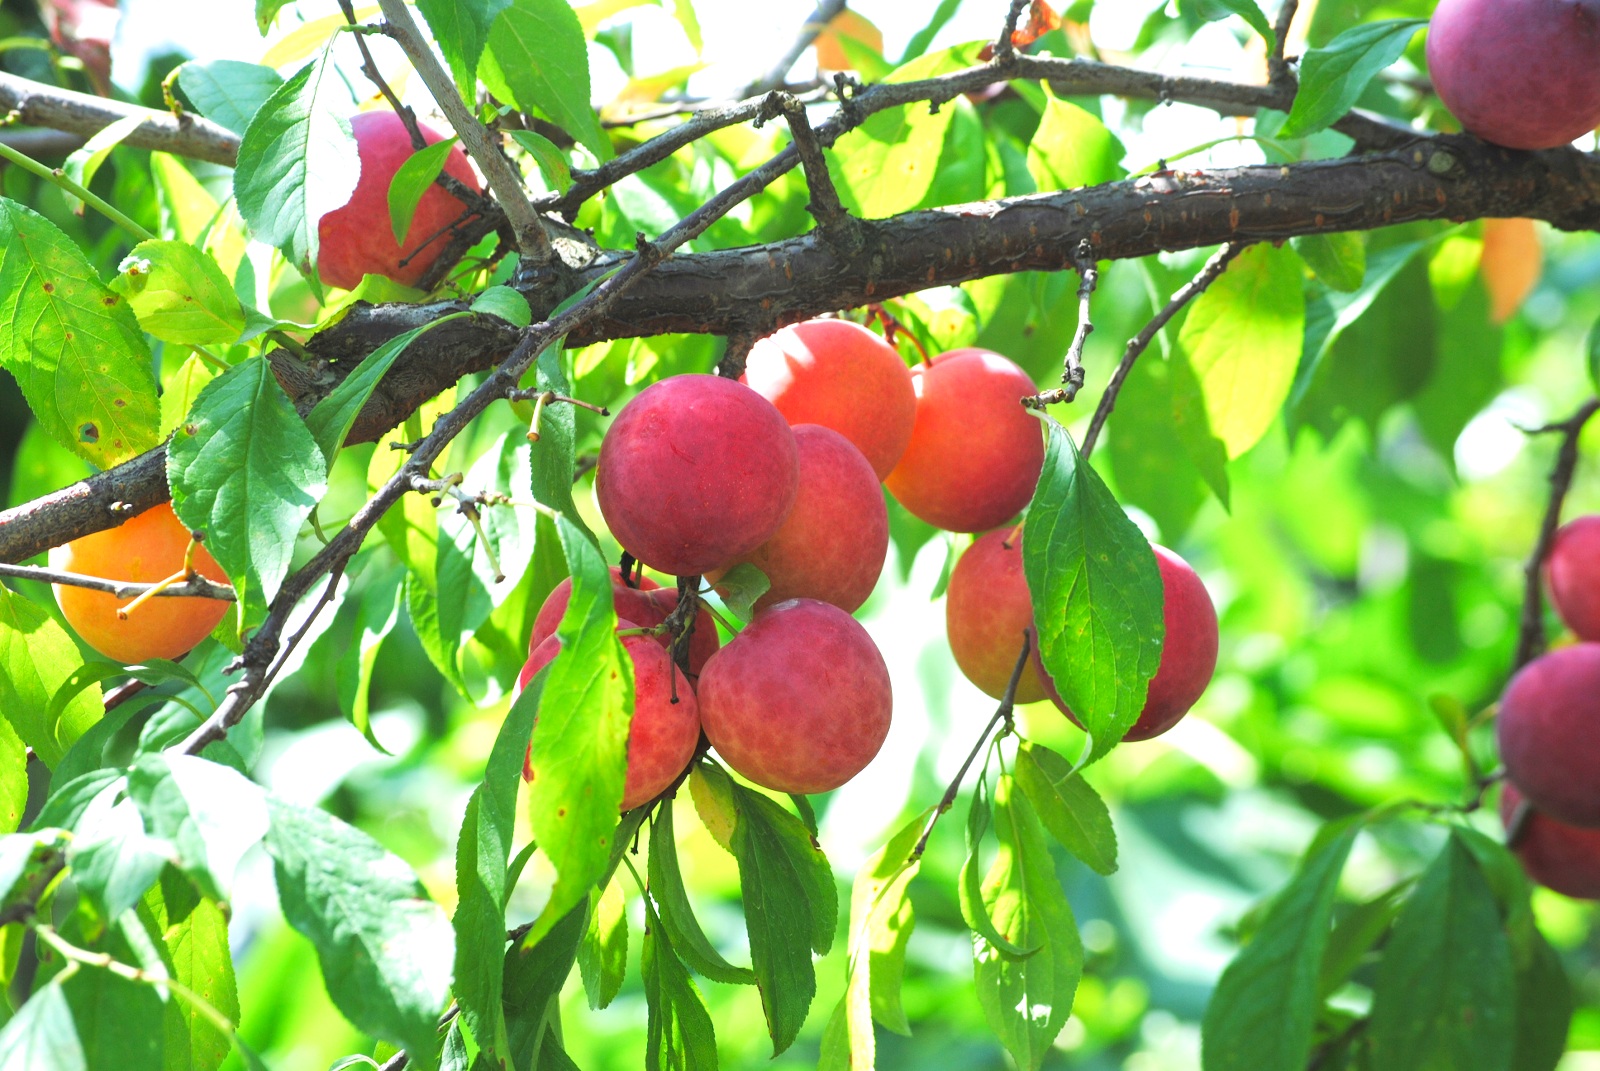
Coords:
838,227
778,74
1139,343
1004,48
532,241
194,585
731,366
1072,372
1530,634
1278,73
1008,703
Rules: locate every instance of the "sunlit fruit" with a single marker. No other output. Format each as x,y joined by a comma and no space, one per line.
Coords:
148,548
358,239
1188,652
1549,733
1556,855
1572,572
1520,73
832,544
695,471
838,374
975,452
800,700
663,733
646,606
987,610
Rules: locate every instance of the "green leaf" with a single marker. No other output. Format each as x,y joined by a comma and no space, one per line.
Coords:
227,91
36,658
266,11
969,886
179,294
1068,806
113,860
73,345
677,915
245,471
533,978
461,27
505,303
411,180
1333,77
887,164
1216,10
197,946
535,57
1242,339
385,948
41,1036
377,613
482,853
791,908
741,586
679,1034
603,953
1544,1010
547,155
210,813
1026,1001
1265,1004
119,1021
13,777
554,454
1096,593
579,755
84,163
1594,355
297,161
21,854
1444,995
1355,936
1072,148
1339,260
181,389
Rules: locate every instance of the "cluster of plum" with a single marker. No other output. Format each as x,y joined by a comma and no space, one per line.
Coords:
1549,730
699,475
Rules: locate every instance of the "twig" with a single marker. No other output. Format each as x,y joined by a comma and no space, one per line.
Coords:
1530,634
1139,343
778,74
195,586
734,354
838,227
1072,370
532,242
1278,73
1002,714
1005,52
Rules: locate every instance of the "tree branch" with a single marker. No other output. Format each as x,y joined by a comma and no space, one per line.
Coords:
1530,633
778,74
37,104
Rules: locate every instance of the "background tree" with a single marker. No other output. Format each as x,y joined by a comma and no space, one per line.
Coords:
1349,373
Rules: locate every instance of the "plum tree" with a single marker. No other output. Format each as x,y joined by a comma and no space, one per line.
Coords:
1519,73
1572,572
1188,652
147,548
800,700
1546,731
647,606
838,374
357,239
986,611
666,717
695,471
975,454
832,544
1559,856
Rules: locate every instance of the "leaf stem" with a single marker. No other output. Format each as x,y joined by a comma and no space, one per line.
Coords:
56,177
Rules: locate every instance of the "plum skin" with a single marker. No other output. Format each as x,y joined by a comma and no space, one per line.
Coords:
646,606
1572,573
1548,729
838,374
663,734
1558,856
975,453
358,239
695,471
1524,74
833,543
1188,652
986,611
144,549
800,700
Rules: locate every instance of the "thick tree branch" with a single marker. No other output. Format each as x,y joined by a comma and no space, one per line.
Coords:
37,104
734,291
